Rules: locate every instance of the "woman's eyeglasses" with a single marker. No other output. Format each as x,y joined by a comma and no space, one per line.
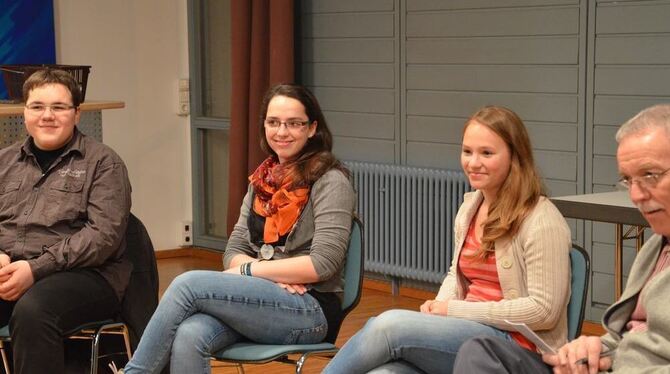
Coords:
291,124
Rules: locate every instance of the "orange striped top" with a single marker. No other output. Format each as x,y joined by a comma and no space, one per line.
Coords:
484,284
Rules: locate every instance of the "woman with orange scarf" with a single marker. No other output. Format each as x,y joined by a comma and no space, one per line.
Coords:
283,260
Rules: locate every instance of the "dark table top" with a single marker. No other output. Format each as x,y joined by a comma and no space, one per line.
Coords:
613,207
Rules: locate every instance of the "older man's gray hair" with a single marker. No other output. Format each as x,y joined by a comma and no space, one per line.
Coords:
650,118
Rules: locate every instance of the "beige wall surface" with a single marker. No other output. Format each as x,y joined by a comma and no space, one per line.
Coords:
138,50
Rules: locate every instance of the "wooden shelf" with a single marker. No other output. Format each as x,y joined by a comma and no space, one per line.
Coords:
13,109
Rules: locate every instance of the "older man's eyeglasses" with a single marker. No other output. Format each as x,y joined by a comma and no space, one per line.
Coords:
649,180
291,124
55,108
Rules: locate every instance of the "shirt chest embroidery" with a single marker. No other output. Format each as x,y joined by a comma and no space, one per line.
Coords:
75,173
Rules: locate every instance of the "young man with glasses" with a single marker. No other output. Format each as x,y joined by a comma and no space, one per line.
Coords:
638,324
64,206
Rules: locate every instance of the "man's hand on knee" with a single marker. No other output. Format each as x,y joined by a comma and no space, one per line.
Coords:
19,278
4,261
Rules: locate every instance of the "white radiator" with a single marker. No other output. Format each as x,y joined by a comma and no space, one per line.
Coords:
408,213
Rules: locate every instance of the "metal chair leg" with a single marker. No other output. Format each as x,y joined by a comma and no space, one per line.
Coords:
126,340
5,360
299,363
95,346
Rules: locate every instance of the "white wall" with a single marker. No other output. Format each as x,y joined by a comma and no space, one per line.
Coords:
138,50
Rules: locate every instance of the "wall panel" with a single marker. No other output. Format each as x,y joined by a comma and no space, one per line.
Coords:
349,59
427,5
363,100
494,22
531,107
633,49
356,149
398,78
632,17
329,6
492,78
349,75
348,25
494,50
380,126
348,50
434,155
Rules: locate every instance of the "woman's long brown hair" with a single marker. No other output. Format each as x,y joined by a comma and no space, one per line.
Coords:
523,186
316,157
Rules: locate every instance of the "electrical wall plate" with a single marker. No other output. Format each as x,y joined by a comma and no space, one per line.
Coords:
184,92
186,233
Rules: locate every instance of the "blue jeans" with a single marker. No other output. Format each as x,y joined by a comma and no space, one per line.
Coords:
419,341
204,311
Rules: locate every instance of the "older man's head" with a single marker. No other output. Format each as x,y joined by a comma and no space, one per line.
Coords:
643,157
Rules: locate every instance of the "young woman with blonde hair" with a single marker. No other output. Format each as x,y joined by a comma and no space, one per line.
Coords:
511,262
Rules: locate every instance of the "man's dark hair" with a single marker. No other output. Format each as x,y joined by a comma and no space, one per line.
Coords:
53,76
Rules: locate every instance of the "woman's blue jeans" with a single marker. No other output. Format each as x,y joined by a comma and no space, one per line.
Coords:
204,311
406,341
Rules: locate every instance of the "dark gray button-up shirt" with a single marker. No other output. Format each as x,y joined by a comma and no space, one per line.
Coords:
72,216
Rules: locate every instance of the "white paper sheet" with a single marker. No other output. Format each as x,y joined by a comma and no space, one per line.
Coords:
532,336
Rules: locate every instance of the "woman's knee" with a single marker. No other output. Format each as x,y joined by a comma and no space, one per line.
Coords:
193,337
388,321
187,282
187,279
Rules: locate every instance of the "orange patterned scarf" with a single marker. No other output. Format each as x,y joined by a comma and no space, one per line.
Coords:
275,199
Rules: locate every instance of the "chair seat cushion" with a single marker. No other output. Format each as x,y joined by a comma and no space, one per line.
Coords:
252,352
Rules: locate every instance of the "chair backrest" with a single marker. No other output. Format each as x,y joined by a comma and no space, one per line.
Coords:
353,268
141,296
580,269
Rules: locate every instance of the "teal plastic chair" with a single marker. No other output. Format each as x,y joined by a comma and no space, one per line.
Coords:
580,267
253,353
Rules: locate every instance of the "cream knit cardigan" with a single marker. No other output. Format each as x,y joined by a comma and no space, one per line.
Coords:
533,269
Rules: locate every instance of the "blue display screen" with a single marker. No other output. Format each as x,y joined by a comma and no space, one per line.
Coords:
26,34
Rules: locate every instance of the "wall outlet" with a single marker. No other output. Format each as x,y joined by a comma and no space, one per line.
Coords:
186,232
184,92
